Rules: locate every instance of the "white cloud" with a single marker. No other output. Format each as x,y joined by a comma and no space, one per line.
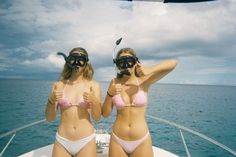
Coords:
4,67
200,35
50,63
97,24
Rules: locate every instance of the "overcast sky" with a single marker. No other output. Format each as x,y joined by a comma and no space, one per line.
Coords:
201,36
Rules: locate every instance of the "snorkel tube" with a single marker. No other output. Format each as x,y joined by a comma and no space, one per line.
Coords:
113,56
65,58
124,71
117,43
62,54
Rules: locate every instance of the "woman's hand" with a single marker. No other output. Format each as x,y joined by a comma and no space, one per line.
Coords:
57,91
114,88
90,96
140,69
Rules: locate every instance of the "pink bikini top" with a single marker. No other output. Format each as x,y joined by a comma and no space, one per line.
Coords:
139,100
65,103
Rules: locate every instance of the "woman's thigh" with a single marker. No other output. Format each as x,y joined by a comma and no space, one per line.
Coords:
59,150
115,149
89,150
144,149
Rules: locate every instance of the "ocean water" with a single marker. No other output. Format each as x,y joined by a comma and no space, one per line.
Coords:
210,110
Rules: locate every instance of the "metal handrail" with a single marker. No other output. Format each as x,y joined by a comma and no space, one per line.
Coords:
194,133
185,145
25,126
180,127
21,128
8,143
14,131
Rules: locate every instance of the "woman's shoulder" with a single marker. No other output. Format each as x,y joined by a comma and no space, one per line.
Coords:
59,82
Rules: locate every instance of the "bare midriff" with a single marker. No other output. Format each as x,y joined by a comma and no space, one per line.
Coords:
130,123
75,123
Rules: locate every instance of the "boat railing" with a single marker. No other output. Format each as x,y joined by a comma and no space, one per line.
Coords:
178,126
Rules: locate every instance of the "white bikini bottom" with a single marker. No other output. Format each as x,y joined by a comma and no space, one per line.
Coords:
73,147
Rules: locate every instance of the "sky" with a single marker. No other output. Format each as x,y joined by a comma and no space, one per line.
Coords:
200,36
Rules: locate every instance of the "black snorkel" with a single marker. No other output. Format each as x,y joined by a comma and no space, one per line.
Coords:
114,58
117,43
62,54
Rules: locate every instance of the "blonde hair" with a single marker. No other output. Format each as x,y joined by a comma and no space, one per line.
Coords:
126,50
87,72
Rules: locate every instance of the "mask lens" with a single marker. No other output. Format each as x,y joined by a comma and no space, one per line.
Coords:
76,60
120,63
125,62
131,62
80,61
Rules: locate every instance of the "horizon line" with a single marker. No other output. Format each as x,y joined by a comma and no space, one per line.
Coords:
165,83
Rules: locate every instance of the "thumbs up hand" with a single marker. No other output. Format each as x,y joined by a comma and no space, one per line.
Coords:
114,89
57,91
139,69
90,96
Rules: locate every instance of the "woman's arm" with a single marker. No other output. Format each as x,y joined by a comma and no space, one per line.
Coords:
107,106
113,89
51,108
156,72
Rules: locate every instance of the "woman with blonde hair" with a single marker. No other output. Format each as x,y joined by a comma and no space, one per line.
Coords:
128,93
79,98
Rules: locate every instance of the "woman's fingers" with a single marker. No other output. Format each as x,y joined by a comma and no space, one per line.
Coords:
139,64
89,96
58,95
58,88
118,88
139,69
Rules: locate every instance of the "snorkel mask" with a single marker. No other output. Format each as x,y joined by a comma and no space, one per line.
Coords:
124,62
75,60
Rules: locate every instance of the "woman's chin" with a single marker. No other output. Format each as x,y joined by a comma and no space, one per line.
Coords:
78,71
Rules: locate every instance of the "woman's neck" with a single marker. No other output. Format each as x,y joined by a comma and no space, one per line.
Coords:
75,78
129,80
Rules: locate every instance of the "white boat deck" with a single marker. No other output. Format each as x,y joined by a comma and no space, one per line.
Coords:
46,151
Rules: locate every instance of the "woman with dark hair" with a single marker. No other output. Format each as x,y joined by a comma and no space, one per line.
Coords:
128,93
79,98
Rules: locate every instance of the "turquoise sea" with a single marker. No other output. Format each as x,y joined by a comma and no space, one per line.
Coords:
210,110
